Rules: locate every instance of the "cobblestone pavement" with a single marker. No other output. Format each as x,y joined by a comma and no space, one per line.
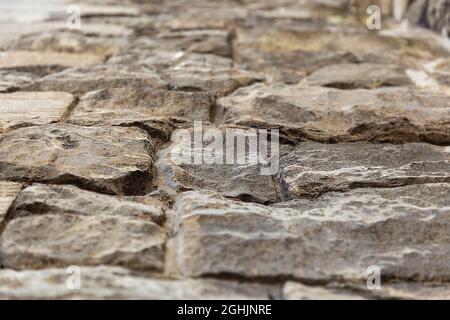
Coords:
89,119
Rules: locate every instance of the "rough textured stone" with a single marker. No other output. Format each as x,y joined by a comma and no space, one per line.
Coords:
64,240
327,114
242,181
13,80
200,41
106,159
405,234
402,290
313,168
68,41
22,109
298,291
8,193
119,283
99,77
63,225
139,71
197,72
364,75
21,59
153,110
290,66
366,46
64,199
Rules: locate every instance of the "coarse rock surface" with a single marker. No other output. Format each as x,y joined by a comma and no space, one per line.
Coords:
8,193
201,72
313,169
186,166
297,291
21,109
105,159
68,41
153,110
104,76
119,283
405,234
363,75
22,59
396,115
202,149
68,226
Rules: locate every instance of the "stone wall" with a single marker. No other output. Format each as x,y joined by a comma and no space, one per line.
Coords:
357,123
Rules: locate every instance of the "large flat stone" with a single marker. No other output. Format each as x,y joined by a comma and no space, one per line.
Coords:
313,168
153,110
200,41
297,291
402,230
99,77
23,59
204,72
63,240
68,41
21,109
105,159
119,283
363,75
400,290
66,199
236,180
63,225
395,115
8,193
366,46
287,66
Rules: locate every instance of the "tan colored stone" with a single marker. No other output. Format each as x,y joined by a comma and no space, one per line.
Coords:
49,240
402,230
298,291
68,41
395,115
22,109
203,72
363,76
63,225
104,159
21,59
99,77
178,172
313,168
66,199
8,193
153,110
119,283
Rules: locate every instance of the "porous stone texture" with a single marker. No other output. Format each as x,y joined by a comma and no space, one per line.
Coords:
105,159
22,59
21,109
363,75
8,193
396,115
298,291
68,41
179,170
67,226
99,77
119,283
224,150
204,72
157,111
313,169
403,231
